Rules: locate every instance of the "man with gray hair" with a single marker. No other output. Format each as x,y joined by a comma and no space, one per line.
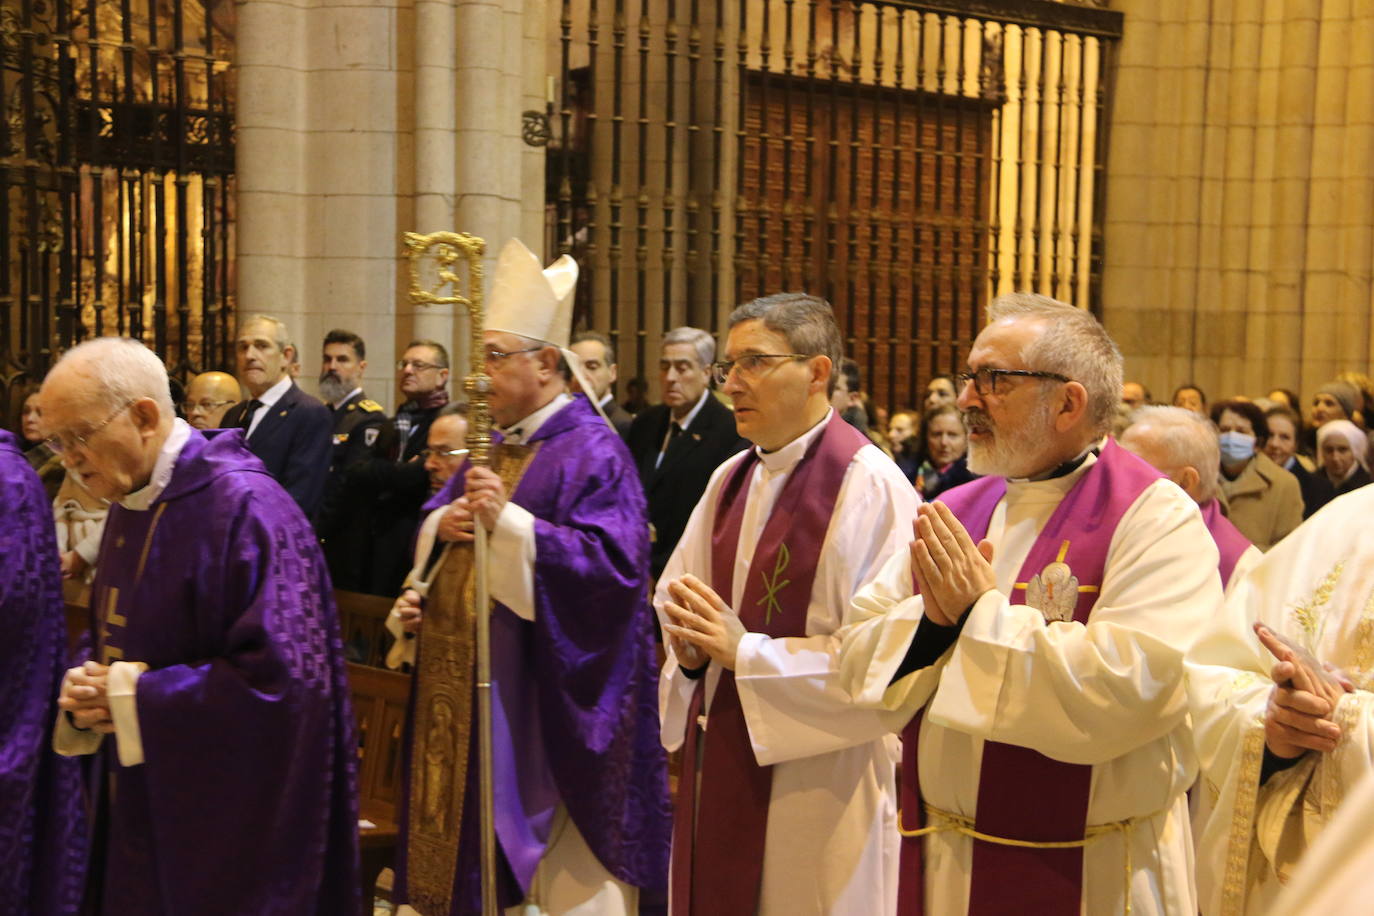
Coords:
288,429
679,443
1034,633
599,365
1183,446
215,692
787,796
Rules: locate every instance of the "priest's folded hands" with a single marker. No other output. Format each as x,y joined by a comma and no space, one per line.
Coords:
83,698
1298,715
951,572
703,625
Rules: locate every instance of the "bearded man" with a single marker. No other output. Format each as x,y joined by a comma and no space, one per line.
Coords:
1041,651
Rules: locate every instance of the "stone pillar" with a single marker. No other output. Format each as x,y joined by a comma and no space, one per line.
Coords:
360,122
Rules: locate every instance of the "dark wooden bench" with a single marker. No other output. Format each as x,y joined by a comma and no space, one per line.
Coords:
380,698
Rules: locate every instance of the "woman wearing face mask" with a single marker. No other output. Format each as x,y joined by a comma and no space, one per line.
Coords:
1342,448
945,441
1285,433
1262,499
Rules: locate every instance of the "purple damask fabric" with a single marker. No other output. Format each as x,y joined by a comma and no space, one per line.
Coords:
42,816
575,699
246,803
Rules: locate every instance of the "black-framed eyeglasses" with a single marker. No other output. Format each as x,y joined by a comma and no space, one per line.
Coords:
442,453
494,355
418,365
65,442
206,406
985,380
750,365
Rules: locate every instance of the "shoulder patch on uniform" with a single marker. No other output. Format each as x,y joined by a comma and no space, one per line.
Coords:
370,405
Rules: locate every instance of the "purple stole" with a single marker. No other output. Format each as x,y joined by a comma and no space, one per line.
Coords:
1022,794
1230,542
725,833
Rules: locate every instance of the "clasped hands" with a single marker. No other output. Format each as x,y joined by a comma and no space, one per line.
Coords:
702,626
484,497
83,697
1297,717
950,571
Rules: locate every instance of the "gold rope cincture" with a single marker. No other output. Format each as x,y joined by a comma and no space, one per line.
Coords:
964,826
1063,552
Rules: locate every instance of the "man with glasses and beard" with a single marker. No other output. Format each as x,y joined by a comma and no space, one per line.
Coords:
361,432
1034,632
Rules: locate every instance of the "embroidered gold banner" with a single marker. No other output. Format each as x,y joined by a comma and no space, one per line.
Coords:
443,729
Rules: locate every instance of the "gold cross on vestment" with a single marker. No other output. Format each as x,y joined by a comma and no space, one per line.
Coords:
775,584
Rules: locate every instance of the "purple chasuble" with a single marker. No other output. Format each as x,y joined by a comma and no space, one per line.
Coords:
246,803
1022,794
718,844
575,698
1230,542
42,816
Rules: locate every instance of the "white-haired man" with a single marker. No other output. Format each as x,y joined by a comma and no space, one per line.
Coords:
288,429
678,444
1041,652
1183,446
215,695
787,795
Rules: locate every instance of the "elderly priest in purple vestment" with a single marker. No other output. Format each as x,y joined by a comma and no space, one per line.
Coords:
215,697
1040,648
582,815
42,814
794,810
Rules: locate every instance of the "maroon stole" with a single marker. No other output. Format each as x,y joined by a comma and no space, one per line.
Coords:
1022,794
718,844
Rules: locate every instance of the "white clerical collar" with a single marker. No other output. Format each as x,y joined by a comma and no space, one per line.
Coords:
519,433
1060,484
606,404
341,401
276,392
686,421
140,500
795,450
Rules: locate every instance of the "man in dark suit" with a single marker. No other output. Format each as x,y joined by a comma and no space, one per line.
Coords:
362,432
285,427
679,443
598,361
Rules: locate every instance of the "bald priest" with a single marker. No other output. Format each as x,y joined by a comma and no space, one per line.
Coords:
214,698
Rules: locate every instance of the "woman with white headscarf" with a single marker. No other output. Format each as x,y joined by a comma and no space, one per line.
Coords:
1342,449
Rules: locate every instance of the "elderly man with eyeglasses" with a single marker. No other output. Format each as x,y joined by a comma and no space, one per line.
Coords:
208,398
582,815
786,803
214,698
1034,633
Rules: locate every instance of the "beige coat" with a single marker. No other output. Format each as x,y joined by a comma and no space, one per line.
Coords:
1264,502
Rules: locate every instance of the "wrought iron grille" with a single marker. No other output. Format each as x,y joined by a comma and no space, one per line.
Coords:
908,161
116,164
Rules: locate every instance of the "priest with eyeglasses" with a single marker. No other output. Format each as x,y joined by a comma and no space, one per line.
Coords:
1034,634
786,802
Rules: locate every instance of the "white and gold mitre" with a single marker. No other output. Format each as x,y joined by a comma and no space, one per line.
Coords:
530,300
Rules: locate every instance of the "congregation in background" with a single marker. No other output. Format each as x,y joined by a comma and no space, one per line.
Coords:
960,656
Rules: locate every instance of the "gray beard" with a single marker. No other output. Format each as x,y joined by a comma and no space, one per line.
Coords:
333,389
1012,452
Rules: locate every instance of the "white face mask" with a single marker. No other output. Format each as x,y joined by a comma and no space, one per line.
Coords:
1236,447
